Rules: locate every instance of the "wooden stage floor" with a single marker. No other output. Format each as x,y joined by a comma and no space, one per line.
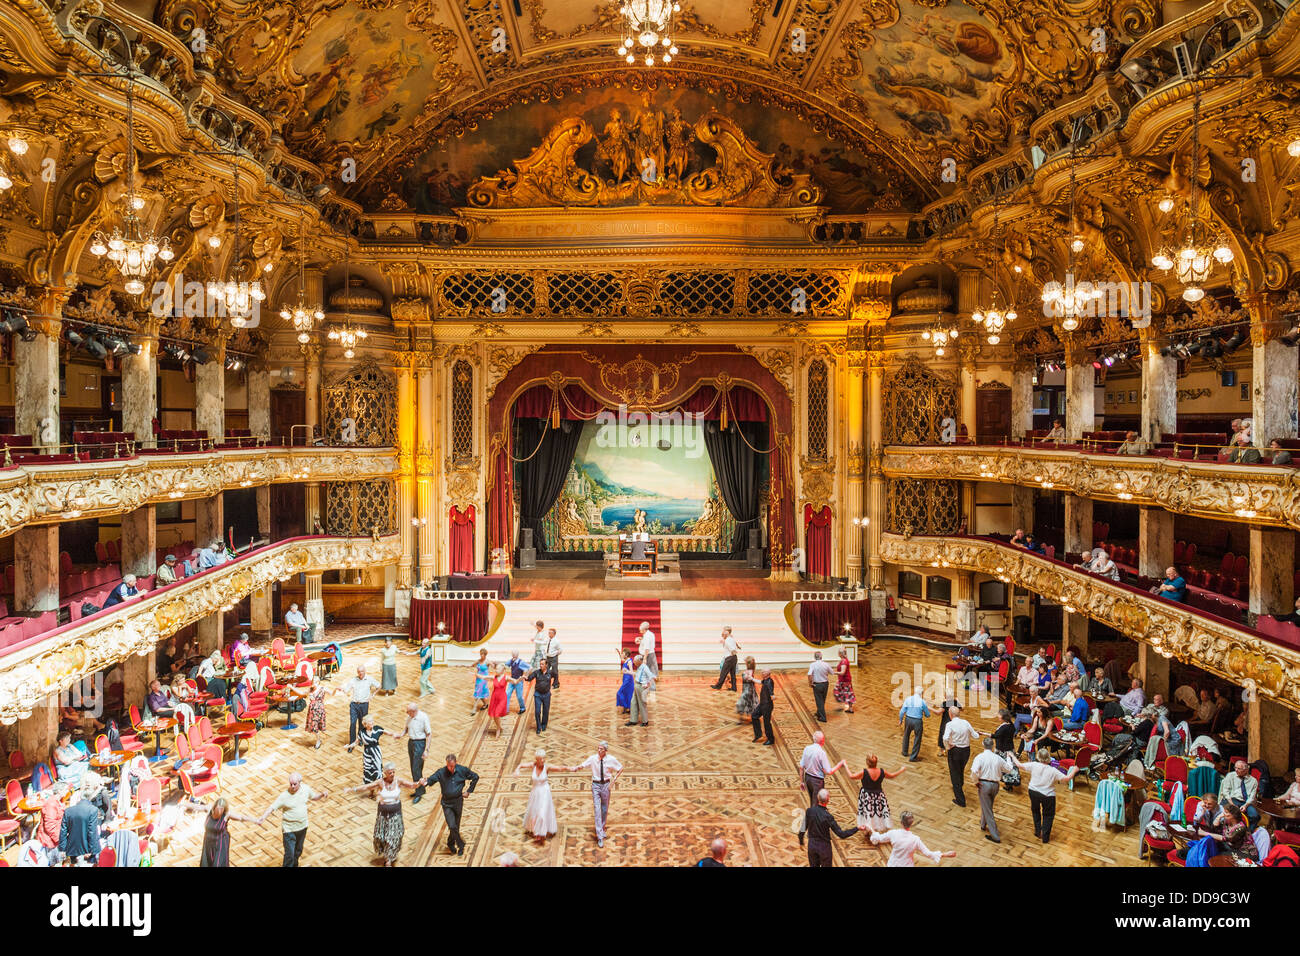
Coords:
701,581
691,776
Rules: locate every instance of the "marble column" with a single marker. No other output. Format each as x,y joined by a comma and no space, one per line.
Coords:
876,486
314,607
968,512
1080,394
1275,386
1078,524
140,542
210,391
36,375
210,632
259,602
137,673
38,734
855,408
964,603
36,569
1074,632
259,403
1159,387
1268,732
425,462
1155,541
312,496
140,383
1022,507
1272,560
967,348
1155,672
1022,397
209,520
314,374
406,436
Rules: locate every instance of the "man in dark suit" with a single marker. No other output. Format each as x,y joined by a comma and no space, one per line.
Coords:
79,835
818,824
763,712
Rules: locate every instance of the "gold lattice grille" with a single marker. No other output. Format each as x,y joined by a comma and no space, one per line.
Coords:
916,401
462,411
796,293
698,293
368,395
584,293
922,506
817,414
488,293
359,508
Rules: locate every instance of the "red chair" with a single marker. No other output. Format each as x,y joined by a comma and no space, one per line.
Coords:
183,749
1092,734
1175,770
1174,859
195,738
195,790
1162,754
114,551
107,857
148,795
42,777
17,761
277,651
1082,759
205,728
1180,552
1286,837
1190,806
1153,845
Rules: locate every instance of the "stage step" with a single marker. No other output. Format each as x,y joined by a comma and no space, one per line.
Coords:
690,637
634,612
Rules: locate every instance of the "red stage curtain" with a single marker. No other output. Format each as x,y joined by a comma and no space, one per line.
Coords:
466,621
576,404
461,532
823,621
501,507
817,533
781,535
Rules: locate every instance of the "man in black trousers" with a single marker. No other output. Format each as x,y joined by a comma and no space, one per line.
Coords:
818,824
763,712
451,780
730,650
957,739
541,680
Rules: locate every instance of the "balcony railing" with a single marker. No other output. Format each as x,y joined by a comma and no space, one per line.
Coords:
1270,663
1260,494
47,663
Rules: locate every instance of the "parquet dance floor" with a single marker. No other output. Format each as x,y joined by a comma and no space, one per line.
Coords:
693,774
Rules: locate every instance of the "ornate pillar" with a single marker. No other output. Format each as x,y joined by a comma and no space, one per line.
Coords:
140,542
1275,388
967,348
1159,386
964,602
855,499
259,602
1080,392
1155,671
209,519
967,490
424,462
1074,632
210,632
1022,507
313,353
1268,731
36,373
259,402
1022,396
210,390
1155,541
140,382
405,463
137,673
36,569
39,733
1078,523
876,487
1272,560
314,607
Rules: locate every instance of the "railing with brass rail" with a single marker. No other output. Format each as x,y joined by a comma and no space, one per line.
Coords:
1172,629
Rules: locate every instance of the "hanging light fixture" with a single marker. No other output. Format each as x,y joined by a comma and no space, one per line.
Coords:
131,247
239,298
347,335
1203,244
993,319
648,31
302,316
1072,299
941,334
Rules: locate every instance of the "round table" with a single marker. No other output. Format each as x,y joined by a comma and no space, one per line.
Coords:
295,691
204,771
134,822
33,804
1280,811
234,730
109,758
1229,859
156,727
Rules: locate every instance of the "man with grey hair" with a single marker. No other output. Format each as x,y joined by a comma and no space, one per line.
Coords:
761,718
643,682
819,677
605,771
957,737
646,647
815,766
717,853
986,772
730,653
904,844
293,804
818,824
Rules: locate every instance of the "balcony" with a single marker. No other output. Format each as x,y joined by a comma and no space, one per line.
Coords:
1270,661
46,663
1196,485
39,493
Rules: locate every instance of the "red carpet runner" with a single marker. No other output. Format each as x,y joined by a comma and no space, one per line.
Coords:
634,612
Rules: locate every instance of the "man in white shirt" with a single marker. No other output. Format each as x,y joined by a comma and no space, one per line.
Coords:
729,653
219,555
553,651
1043,778
819,677
957,738
815,766
605,771
799,562
904,844
359,689
206,559
540,640
417,733
296,621
986,772
646,647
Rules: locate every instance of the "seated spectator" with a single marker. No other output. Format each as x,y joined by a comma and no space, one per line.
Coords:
219,553
1034,545
1087,559
1036,703
1280,455
126,589
1205,709
1018,539
1027,676
1096,685
1291,796
169,572
158,701
70,761
1173,587
1040,656
1135,699
1236,833
1044,679
211,667
1059,691
1038,728
1240,791
207,559
1221,702
1057,434
1244,453
1208,816
1133,445
240,652
1103,566
1079,711
297,622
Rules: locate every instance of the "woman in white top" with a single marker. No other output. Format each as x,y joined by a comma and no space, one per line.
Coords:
539,818
1043,778
1292,794
904,844
389,829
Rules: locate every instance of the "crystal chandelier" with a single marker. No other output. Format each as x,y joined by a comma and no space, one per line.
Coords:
993,319
940,337
1203,244
648,24
1072,299
347,335
302,316
131,247
239,298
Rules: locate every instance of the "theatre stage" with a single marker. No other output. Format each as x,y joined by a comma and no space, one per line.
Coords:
692,775
700,581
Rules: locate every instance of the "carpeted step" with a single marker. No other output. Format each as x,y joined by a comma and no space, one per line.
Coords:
634,612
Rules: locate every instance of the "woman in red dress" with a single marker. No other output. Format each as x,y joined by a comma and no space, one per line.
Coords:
498,703
844,684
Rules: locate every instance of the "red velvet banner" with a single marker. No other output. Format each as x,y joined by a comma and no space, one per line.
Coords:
817,534
461,544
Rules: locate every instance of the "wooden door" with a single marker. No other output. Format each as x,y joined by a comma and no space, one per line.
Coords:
288,408
992,415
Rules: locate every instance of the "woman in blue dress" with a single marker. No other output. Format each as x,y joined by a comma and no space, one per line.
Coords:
481,681
623,701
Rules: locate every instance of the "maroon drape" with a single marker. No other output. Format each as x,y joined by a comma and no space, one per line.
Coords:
461,533
780,511
501,506
823,621
466,621
817,534
743,404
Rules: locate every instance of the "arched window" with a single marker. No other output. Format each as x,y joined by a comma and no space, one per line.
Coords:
462,411
817,410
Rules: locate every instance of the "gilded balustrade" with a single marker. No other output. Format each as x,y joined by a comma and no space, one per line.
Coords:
1259,494
30,674
1171,629
47,493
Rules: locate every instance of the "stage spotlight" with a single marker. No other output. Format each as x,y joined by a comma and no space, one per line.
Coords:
117,345
13,321
96,348
201,356
75,339
1138,72
1234,341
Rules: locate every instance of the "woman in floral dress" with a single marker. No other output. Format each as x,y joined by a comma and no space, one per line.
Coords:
748,697
844,682
389,828
316,710
873,808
